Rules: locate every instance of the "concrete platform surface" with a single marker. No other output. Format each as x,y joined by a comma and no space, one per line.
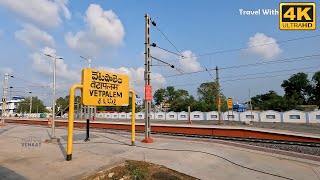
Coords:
19,159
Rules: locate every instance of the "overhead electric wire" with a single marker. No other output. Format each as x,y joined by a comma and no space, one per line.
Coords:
297,69
208,72
156,46
301,58
261,77
164,62
248,78
17,77
155,25
243,48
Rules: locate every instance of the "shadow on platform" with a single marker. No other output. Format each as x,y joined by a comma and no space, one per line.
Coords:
9,174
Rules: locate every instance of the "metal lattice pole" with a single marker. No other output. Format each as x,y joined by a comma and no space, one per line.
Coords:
4,96
219,98
147,75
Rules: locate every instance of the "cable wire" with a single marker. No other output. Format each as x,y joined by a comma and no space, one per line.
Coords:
267,44
231,80
17,77
218,156
301,58
297,69
156,46
155,25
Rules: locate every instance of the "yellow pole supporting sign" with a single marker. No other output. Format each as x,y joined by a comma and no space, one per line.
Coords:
133,117
101,88
70,121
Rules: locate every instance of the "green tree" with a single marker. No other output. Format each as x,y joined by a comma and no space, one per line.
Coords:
315,99
298,87
37,106
159,95
208,97
171,94
272,101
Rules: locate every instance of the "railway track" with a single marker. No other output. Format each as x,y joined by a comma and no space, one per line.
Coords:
234,134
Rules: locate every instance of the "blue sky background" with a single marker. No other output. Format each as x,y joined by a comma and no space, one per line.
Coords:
199,27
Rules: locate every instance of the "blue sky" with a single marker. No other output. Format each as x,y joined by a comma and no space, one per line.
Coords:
112,34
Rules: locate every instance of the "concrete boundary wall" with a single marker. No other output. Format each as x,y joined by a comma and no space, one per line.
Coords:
245,116
270,116
233,116
171,115
197,115
183,115
160,116
293,116
314,116
122,115
212,115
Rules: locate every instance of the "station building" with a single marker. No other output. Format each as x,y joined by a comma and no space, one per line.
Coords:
12,105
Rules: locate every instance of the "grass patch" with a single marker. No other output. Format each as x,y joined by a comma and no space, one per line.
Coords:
139,170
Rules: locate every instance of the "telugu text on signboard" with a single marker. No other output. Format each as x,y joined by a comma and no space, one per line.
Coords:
101,88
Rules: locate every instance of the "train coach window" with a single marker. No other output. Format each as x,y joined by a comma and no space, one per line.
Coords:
114,115
196,116
294,116
183,116
123,115
270,116
171,116
318,117
140,116
249,116
160,116
214,116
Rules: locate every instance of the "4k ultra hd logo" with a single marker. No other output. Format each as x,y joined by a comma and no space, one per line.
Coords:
297,16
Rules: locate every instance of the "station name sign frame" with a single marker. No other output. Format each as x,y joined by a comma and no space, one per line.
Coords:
101,88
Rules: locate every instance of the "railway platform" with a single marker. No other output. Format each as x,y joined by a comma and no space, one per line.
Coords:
201,159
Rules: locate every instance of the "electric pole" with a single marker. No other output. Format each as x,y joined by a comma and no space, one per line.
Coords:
30,105
250,104
89,108
4,96
147,78
219,99
55,58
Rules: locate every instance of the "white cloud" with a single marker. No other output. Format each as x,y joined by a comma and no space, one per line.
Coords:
269,51
189,63
44,65
43,12
4,70
136,78
34,37
104,29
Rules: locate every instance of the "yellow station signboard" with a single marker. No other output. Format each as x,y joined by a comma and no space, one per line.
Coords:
230,105
101,88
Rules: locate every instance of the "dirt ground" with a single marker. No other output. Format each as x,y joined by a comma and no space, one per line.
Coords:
138,170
